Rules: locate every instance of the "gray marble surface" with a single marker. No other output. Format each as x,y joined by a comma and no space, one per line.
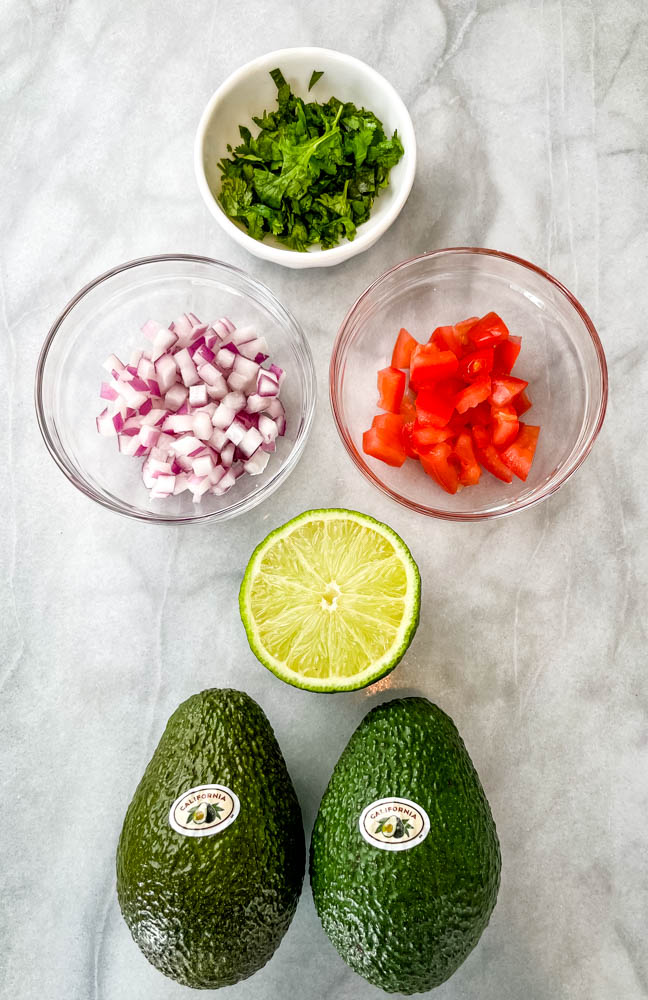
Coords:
531,120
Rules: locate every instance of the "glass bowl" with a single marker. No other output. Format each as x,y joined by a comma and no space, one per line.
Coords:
561,358
104,318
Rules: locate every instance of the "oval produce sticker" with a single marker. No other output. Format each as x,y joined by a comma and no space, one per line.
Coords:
204,810
394,824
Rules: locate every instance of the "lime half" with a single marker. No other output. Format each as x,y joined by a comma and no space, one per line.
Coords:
330,601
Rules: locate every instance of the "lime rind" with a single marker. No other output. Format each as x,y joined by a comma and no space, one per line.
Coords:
402,627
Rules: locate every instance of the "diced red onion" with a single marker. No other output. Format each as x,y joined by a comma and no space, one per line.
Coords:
225,359
107,392
198,395
267,385
254,347
202,425
257,463
267,428
250,441
223,417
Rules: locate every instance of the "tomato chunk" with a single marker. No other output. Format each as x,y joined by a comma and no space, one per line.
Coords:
488,455
476,364
391,386
475,393
438,464
519,455
504,425
461,329
446,338
469,471
408,408
388,423
387,448
434,404
428,364
403,348
490,330
522,403
506,354
426,437
505,388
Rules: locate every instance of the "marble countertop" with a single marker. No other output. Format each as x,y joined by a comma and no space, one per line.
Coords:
531,123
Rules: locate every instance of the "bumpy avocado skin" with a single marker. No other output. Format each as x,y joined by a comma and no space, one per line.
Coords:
405,920
211,911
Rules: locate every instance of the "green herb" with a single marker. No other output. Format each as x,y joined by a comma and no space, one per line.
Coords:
316,75
312,173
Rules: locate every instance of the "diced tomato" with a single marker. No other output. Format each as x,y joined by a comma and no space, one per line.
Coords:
403,348
424,438
506,354
461,329
504,425
519,455
463,450
473,365
389,423
438,464
505,388
475,393
408,407
406,437
490,330
387,449
434,404
446,338
391,386
428,365
522,403
488,456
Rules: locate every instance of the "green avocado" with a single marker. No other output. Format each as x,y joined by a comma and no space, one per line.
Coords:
405,917
209,910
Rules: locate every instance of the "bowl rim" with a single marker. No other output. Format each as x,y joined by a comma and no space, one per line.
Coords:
315,257
239,507
337,358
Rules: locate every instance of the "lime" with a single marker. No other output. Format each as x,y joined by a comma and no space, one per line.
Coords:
330,601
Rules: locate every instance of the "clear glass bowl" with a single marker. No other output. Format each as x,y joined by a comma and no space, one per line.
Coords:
104,318
561,358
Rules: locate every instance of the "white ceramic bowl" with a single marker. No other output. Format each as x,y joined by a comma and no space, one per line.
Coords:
250,90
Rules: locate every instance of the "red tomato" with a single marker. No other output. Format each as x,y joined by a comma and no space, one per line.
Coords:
387,448
408,407
428,365
519,455
490,330
446,338
461,329
389,424
488,456
505,388
434,404
476,364
403,348
506,354
391,386
469,472
437,463
475,393
426,437
504,425
406,438
522,403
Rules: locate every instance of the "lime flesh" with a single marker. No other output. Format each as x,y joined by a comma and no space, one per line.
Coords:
330,601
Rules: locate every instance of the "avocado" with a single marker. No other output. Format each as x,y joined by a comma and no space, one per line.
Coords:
209,906
405,912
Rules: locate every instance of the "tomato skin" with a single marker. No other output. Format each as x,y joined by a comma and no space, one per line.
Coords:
522,403
504,425
437,464
387,449
428,365
446,338
488,456
403,348
435,404
391,386
505,388
506,354
463,450
519,456
490,330
473,394
476,364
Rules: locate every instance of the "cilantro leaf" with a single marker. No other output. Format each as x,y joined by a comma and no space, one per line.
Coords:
316,75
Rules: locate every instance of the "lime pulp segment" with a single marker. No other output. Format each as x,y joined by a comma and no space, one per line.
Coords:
330,601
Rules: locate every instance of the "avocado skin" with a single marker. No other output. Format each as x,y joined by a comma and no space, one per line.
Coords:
405,920
210,911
